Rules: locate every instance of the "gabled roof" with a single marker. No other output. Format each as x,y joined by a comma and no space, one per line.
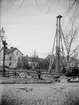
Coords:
8,51
12,49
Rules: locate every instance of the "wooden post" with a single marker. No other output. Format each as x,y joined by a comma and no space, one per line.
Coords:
4,51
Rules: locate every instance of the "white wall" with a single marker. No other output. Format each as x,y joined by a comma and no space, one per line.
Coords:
14,58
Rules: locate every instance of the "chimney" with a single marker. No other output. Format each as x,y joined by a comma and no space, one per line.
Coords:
26,55
12,47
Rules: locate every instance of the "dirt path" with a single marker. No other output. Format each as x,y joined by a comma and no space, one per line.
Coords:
40,94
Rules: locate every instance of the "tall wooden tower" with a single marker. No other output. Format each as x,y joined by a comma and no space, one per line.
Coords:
58,47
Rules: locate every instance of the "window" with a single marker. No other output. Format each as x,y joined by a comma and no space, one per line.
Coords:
10,58
17,53
10,64
18,58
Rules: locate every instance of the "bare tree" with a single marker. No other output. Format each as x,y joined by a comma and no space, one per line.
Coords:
72,10
72,48
72,3
35,55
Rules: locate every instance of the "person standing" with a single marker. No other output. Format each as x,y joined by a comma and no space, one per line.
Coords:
38,72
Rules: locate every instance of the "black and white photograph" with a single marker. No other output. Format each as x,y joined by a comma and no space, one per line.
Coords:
39,52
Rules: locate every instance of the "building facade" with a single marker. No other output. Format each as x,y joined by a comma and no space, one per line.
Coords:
11,57
33,61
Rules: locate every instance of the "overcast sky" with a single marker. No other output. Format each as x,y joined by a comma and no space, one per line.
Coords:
31,27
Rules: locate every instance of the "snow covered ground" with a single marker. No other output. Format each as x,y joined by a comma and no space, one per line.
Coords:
39,94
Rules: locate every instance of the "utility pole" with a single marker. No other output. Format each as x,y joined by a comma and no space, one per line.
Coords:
4,51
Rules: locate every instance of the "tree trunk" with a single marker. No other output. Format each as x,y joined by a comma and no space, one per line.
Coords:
67,66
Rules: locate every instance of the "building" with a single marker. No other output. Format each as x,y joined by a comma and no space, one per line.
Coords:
11,57
33,61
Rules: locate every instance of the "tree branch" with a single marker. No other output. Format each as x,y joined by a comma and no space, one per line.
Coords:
74,51
70,7
21,5
50,5
37,5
